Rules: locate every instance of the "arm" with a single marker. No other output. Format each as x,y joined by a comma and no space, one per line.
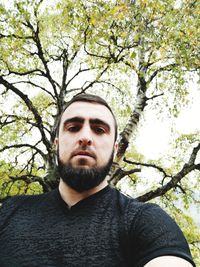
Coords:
166,261
157,240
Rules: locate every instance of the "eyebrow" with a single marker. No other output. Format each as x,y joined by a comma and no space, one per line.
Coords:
74,119
92,121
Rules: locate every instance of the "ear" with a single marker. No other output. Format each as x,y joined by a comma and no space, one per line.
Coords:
55,142
55,148
116,145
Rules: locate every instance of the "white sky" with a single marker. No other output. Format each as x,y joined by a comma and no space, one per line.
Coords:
154,138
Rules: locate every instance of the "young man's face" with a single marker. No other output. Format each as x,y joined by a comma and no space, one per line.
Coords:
86,136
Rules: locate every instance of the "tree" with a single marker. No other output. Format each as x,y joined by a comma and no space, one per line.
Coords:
49,53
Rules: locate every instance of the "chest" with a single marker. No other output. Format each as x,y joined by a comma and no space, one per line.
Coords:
71,238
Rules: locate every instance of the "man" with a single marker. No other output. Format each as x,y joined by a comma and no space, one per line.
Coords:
85,222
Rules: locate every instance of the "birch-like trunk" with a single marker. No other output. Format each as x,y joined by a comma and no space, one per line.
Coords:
129,129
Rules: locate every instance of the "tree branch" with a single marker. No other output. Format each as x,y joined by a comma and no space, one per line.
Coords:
92,54
76,74
37,86
119,174
28,178
147,165
41,55
24,145
194,154
30,106
154,96
15,36
173,183
16,117
161,69
26,72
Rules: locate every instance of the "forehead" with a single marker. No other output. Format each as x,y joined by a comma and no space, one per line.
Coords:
87,110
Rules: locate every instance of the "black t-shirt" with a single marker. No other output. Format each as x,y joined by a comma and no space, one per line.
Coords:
105,229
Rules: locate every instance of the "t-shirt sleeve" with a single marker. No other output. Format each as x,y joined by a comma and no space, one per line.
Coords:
154,233
8,207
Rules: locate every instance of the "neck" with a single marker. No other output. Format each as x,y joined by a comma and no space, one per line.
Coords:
71,197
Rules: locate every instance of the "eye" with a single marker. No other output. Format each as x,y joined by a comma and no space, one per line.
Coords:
73,129
99,130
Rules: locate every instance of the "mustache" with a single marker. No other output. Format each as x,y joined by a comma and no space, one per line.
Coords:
83,151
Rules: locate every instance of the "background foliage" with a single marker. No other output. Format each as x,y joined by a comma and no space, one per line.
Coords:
142,56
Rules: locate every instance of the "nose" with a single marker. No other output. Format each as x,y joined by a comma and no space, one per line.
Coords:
85,138
85,142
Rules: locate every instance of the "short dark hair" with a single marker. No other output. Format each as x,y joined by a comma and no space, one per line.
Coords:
86,98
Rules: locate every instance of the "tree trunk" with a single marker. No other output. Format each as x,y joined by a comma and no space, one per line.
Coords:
129,129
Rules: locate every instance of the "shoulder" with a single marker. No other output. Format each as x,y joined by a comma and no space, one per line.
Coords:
152,218
13,202
130,206
138,213
151,221
151,231
154,233
12,205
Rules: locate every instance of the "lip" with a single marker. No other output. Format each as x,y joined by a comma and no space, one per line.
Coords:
84,154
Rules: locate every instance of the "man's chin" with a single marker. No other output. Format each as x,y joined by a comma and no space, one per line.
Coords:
82,167
83,177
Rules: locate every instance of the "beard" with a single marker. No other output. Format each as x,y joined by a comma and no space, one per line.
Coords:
81,179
